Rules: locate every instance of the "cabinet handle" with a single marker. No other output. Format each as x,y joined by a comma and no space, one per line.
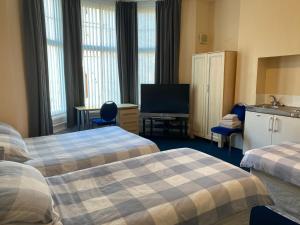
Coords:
276,125
271,123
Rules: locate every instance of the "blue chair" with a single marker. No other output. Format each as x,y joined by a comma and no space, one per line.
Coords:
108,114
240,111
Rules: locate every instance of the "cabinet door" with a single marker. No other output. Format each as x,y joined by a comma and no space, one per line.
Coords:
258,130
199,94
216,83
285,129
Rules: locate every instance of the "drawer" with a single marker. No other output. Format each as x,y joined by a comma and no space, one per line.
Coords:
129,123
128,112
131,128
135,131
132,118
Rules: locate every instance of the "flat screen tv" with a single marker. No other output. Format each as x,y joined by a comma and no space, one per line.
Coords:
165,98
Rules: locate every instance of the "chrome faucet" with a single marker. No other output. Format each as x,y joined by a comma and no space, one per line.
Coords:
274,102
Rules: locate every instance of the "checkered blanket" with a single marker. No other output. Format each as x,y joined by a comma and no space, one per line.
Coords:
58,154
180,186
282,161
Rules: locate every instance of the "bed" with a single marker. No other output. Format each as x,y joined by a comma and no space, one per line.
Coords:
181,186
58,154
278,167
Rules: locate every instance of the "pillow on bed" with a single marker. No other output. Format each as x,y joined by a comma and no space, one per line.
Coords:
14,148
25,196
8,129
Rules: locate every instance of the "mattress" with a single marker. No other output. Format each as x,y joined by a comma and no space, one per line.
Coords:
58,154
286,196
281,161
181,186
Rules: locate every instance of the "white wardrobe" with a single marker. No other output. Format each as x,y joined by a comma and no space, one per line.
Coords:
213,89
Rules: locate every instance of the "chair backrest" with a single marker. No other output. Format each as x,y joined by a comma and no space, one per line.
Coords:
109,111
240,111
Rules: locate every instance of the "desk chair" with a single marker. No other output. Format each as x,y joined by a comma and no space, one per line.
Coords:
108,114
240,111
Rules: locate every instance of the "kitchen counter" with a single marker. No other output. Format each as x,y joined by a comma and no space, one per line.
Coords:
288,111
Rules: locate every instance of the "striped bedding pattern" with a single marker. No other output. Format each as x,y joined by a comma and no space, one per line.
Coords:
181,186
25,197
281,161
58,154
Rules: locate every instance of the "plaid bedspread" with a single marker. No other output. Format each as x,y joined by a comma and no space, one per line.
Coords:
180,186
282,161
58,154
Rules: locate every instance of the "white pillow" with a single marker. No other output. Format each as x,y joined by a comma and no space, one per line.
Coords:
25,197
8,129
14,148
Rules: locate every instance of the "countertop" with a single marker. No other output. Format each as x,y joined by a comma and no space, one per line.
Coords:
288,111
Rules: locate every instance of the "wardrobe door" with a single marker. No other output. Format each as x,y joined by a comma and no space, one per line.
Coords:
199,95
216,83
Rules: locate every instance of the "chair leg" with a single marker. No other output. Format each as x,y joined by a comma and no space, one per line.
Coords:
230,141
211,137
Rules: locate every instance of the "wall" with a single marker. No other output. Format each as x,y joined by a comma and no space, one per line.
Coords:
267,28
196,18
187,38
13,104
252,27
226,17
218,19
278,76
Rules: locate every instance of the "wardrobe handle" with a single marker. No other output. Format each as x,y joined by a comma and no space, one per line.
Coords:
271,123
276,125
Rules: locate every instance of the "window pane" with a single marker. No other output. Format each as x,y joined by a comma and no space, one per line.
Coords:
54,33
146,43
100,62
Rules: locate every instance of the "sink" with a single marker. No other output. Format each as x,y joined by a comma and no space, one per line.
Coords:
276,110
267,106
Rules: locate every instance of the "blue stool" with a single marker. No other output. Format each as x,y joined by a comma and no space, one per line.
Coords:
240,111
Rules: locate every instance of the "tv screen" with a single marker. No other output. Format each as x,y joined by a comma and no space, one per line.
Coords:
165,98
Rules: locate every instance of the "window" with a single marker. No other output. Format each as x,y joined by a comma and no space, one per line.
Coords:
146,43
100,62
54,33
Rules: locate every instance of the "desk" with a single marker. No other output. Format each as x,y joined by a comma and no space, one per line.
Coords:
83,114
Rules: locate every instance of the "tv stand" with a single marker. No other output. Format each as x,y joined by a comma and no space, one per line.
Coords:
166,122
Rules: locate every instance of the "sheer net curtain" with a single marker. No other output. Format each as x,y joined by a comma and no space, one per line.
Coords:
100,65
146,43
54,33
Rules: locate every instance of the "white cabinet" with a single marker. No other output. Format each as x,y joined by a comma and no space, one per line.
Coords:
285,129
212,89
199,94
257,130
266,129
